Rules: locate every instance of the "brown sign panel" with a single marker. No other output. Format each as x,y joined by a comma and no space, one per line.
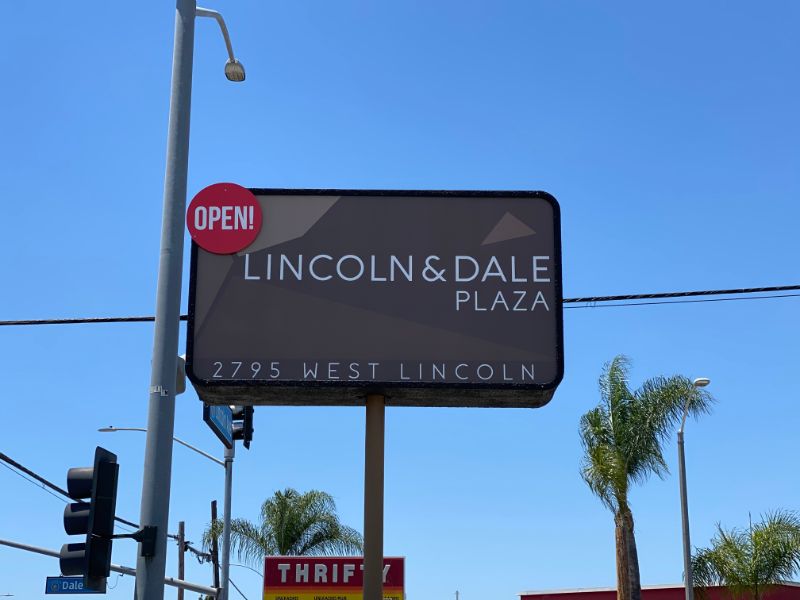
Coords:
431,298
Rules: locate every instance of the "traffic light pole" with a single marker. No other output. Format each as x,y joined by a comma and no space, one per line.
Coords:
226,523
161,412
178,583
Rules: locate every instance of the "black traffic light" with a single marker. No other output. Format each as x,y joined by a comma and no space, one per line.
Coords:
94,518
243,424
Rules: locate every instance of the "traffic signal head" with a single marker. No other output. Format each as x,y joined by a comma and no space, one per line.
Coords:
243,424
94,518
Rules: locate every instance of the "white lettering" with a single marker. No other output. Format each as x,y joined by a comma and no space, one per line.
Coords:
497,272
283,568
311,267
301,573
240,217
320,573
526,372
475,265
214,214
520,294
440,373
347,572
478,308
308,371
226,218
247,269
357,260
332,372
499,299
537,269
489,376
461,297
514,277
354,373
373,269
540,300
298,272
457,373
408,271
200,217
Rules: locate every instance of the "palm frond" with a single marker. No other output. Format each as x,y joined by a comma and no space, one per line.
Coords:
247,541
748,562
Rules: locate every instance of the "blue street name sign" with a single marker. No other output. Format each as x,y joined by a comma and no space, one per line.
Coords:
67,585
220,420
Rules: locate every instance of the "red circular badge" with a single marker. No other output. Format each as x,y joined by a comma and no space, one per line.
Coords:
224,218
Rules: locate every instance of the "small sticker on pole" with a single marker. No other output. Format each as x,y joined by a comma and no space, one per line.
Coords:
224,218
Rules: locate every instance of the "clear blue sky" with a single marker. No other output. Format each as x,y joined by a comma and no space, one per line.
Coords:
669,132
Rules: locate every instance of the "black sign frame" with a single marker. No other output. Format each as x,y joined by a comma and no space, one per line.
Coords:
397,393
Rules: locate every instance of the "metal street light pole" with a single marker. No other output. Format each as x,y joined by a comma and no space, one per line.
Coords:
226,523
161,410
687,547
174,439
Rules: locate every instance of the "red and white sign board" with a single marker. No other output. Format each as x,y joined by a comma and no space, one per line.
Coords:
327,578
224,218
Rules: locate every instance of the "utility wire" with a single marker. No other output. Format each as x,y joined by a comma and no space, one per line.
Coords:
34,483
609,305
36,476
259,573
587,300
44,484
48,484
737,291
237,588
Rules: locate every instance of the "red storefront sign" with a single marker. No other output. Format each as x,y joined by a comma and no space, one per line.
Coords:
327,578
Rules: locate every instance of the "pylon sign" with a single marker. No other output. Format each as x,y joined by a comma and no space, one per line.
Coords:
430,298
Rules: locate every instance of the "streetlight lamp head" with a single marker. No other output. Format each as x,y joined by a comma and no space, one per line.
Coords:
234,70
701,382
108,429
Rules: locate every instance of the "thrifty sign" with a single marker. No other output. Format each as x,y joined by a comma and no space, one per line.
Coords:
327,578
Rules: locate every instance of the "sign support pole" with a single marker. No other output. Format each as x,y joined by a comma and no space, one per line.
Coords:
373,497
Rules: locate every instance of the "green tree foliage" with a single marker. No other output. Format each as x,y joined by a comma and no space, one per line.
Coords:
622,440
291,523
750,561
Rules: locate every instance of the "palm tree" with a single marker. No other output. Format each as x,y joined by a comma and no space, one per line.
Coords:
749,561
291,524
622,440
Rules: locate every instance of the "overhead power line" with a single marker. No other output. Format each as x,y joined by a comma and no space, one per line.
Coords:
44,484
590,301
685,301
731,292
28,479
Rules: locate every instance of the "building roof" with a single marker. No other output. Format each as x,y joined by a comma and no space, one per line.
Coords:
663,586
